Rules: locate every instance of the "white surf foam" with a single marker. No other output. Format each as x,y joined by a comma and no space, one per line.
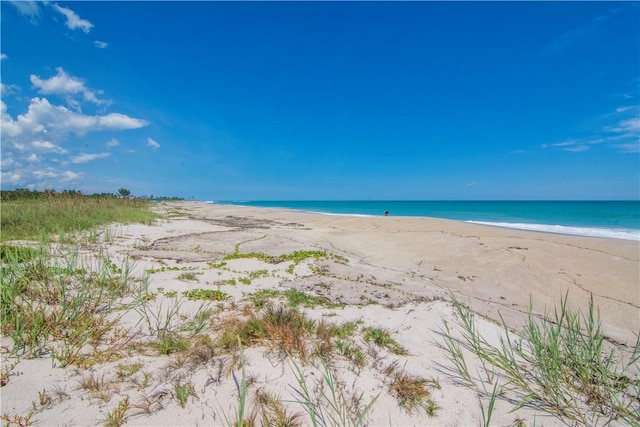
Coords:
609,233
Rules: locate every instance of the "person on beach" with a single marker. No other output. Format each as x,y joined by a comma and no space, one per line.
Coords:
386,213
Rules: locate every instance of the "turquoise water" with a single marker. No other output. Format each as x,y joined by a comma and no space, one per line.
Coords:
612,219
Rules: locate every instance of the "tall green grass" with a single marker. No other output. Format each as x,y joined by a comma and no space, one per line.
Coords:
30,219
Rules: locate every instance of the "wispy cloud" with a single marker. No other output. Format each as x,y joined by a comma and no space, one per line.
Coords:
3,56
112,143
568,39
84,157
73,20
62,176
6,90
622,136
100,44
153,144
30,9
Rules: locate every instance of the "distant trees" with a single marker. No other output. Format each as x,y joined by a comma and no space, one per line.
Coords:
28,194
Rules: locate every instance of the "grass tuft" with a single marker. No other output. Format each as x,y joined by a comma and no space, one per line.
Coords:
382,338
171,342
559,364
412,392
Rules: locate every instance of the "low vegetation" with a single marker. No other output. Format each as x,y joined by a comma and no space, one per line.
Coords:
206,294
57,304
51,295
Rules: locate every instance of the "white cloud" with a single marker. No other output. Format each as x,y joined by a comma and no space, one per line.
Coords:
99,44
68,176
84,158
43,118
48,146
62,176
33,158
61,83
64,84
153,144
117,121
8,127
73,20
46,173
33,143
28,8
6,161
11,177
3,56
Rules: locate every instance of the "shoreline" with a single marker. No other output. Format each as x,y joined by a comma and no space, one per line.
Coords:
618,233
396,274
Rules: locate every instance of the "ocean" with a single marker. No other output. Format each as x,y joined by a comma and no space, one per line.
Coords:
610,219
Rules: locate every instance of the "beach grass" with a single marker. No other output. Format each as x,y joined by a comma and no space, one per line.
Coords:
53,296
31,219
560,363
326,402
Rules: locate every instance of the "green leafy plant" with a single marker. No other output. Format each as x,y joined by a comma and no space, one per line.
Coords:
187,277
217,264
206,294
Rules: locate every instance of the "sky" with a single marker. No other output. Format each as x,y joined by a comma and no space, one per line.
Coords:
323,100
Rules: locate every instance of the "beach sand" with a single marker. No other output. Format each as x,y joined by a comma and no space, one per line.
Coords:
394,273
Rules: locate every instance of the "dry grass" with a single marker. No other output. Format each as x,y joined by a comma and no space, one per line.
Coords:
412,392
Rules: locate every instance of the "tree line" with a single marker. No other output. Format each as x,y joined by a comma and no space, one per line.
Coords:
27,194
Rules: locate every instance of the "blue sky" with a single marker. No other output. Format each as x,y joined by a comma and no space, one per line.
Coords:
323,100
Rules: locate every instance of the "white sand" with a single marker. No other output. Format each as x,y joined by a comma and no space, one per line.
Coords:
399,275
